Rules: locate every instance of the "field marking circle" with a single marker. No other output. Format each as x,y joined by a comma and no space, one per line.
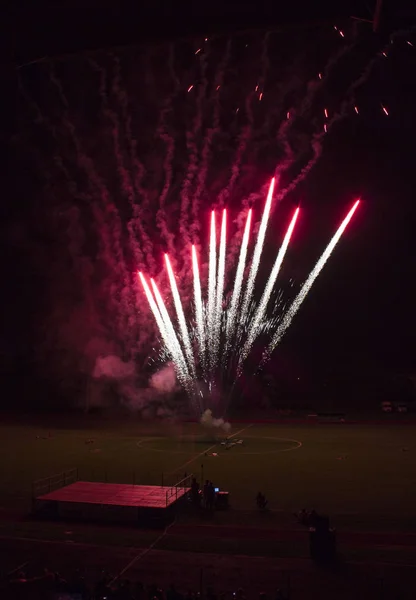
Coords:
143,443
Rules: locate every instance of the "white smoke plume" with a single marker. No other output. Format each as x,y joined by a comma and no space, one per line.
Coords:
164,381
209,421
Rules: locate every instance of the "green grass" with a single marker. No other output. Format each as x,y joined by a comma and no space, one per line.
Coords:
375,479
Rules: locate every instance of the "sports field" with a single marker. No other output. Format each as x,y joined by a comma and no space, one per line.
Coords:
339,469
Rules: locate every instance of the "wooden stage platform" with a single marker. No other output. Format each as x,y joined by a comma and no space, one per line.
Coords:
146,505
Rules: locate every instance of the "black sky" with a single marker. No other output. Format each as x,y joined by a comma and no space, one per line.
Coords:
361,314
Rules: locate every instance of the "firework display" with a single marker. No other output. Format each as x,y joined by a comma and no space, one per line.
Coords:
170,160
231,328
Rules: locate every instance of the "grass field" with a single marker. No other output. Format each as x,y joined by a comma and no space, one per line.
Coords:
341,469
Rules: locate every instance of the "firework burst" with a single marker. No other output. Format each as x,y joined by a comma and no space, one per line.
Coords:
210,348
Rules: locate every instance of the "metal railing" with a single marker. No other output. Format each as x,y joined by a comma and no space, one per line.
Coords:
183,484
40,487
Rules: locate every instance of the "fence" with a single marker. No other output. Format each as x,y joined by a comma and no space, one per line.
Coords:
172,491
54,482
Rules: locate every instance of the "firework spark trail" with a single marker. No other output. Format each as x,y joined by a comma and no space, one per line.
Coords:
211,285
342,113
257,252
125,180
110,244
199,308
170,153
176,350
115,129
313,88
206,148
134,225
220,286
318,137
316,154
161,213
257,321
364,77
181,317
296,304
191,137
156,313
232,311
236,165
264,61
83,263
247,131
41,119
138,172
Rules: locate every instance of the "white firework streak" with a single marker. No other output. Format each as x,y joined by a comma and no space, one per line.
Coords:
296,304
211,284
257,323
257,253
199,310
220,285
178,356
232,311
158,317
181,317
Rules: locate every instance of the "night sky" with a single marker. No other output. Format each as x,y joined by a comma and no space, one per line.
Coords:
357,323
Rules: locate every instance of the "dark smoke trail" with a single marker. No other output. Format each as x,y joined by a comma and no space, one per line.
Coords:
138,173
314,86
169,141
111,244
83,265
207,144
341,114
134,225
245,135
127,299
191,137
41,119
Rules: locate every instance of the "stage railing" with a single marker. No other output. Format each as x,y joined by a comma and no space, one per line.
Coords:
40,487
183,484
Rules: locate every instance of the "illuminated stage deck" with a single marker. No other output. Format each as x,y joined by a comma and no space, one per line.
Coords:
116,494
92,501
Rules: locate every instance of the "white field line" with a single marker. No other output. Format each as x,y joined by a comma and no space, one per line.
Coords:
191,460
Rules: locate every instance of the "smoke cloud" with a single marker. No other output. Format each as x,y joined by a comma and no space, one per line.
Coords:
164,381
112,367
151,401
209,421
